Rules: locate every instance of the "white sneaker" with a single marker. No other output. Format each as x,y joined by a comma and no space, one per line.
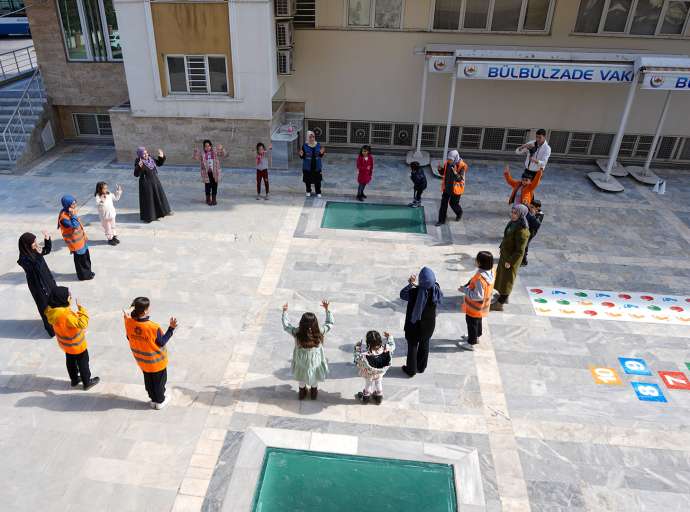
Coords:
308,194
152,404
165,402
318,195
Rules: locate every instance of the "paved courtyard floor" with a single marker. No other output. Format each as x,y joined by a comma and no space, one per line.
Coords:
548,437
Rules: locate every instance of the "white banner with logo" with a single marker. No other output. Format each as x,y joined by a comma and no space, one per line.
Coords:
666,81
546,71
442,64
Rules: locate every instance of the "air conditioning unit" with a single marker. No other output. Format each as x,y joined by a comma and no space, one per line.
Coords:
285,8
284,62
284,34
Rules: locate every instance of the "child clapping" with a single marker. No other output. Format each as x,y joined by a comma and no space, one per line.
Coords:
373,361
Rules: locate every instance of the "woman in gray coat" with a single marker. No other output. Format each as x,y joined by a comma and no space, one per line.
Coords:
512,250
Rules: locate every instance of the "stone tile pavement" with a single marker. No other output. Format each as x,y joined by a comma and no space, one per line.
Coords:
548,438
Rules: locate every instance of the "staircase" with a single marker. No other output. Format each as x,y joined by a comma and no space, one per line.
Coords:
22,105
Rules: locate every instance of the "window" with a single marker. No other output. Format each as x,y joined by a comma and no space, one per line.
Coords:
93,125
90,30
633,17
386,14
305,14
493,15
197,74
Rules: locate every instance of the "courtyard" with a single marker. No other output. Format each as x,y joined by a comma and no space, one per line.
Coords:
544,434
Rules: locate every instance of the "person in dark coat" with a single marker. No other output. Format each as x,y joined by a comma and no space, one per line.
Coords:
534,219
311,155
420,318
153,204
38,275
512,249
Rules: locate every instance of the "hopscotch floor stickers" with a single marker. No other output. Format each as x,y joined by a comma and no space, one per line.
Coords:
622,306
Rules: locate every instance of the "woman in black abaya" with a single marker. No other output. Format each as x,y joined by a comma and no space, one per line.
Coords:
153,204
38,275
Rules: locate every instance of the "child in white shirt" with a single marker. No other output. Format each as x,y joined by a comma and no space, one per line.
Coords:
106,210
373,359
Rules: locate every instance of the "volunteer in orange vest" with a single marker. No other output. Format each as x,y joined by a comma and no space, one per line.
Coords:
478,293
452,186
70,331
147,342
75,237
523,190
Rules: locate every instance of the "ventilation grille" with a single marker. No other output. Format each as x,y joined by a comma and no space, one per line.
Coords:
492,139
305,14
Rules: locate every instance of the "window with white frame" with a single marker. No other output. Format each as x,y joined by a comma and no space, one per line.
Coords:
92,125
89,28
634,17
386,14
197,74
525,16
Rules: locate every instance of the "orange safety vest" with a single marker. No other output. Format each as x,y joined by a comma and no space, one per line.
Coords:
475,308
72,340
458,186
75,238
142,341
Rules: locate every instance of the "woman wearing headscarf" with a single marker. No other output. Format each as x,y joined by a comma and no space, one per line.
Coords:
75,237
515,238
38,275
311,155
420,318
452,186
153,203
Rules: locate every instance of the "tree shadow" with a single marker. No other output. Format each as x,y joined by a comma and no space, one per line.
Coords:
24,329
80,401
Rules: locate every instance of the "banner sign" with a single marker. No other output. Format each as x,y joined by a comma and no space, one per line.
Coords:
546,71
442,64
667,81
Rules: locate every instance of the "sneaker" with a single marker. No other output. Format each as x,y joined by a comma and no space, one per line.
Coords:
457,218
161,405
496,306
438,224
258,197
360,198
416,205
308,194
302,394
407,372
267,197
378,399
91,383
116,239
364,196
75,383
313,393
152,404
362,397
112,242
412,204
318,195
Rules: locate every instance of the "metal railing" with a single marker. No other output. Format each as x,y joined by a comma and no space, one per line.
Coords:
29,104
17,62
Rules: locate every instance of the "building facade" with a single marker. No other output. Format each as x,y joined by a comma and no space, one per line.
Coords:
170,74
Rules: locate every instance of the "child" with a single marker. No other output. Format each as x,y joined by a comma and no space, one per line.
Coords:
534,219
75,237
365,170
478,293
70,331
106,210
263,162
419,180
523,190
373,361
309,364
209,162
147,342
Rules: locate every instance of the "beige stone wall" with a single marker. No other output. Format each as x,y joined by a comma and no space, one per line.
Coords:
177,136
71,83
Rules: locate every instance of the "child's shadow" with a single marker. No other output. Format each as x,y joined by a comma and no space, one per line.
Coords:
337,370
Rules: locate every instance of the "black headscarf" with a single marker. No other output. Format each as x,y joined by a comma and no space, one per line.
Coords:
59,297
25,243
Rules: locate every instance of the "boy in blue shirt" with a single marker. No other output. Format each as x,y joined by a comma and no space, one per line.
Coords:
419,180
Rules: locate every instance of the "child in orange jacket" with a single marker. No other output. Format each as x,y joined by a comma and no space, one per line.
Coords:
523,190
